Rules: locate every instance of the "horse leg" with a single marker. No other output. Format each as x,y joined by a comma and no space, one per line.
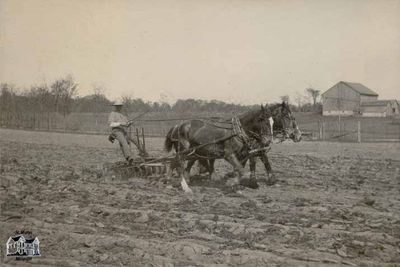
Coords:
253,162
232,159
211,166
186,173
211,170
170,169
203,166
237,166
175,163
189,166
271,179
243,162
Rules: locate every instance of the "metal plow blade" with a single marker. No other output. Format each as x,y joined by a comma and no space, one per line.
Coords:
137,169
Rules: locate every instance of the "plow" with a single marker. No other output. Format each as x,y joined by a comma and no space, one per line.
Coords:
144,166
148,166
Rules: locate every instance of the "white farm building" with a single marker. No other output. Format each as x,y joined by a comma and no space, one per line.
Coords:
347,98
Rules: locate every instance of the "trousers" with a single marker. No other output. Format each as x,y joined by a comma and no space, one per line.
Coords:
123,140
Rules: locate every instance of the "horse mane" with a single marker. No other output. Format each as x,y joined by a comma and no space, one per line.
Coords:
279,106
249,115
275,106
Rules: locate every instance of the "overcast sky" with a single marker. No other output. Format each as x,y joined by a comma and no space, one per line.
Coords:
237,51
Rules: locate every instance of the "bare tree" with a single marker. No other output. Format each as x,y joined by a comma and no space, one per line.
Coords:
41,96
285,98
64,90
314,93
299,98
98,98
8,97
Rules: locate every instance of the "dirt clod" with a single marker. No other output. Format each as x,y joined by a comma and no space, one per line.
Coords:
329,208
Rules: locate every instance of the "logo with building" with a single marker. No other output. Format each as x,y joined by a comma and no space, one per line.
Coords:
21,246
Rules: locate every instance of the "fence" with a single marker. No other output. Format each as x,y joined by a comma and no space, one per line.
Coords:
155,123
314,127
353,129
82,122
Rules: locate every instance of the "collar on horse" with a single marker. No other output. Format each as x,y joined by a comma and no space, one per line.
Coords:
239,131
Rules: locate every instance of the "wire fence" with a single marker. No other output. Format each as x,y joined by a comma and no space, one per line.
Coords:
353,129
345,129
155,124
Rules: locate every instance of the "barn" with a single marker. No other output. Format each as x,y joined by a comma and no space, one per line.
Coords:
345,98
380,108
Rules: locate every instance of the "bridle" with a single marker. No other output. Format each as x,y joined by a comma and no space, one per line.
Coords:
280,115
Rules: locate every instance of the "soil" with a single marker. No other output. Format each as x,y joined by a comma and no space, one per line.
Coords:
334,204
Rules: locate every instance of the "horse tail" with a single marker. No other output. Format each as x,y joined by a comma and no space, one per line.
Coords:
169,143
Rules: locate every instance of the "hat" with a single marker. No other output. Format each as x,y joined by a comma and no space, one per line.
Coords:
117,103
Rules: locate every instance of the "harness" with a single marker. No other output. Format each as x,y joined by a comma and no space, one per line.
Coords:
237,131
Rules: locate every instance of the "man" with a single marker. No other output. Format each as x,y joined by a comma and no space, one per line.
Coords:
119,130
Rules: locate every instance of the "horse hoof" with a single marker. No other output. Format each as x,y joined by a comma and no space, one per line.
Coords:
230,175
271,180
253,184
186,187
236,188
250,183
233,182
188,190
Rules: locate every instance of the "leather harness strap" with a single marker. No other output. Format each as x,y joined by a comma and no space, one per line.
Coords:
239,131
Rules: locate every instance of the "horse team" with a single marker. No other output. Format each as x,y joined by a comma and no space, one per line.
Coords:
243,138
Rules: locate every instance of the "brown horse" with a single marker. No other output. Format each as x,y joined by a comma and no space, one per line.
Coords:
199,139
284,127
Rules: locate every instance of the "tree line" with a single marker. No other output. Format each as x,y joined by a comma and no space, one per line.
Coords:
61,96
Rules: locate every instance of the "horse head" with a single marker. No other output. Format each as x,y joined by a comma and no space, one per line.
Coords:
285,122
263,126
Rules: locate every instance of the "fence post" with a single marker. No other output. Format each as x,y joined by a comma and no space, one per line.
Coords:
323,131
144,142
319,130
359,131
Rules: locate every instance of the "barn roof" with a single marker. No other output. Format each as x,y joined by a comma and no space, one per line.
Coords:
360,88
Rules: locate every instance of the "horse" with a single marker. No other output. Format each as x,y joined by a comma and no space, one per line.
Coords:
284,127
196,139
285,124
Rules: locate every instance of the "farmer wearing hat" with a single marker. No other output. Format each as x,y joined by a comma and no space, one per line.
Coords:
119,124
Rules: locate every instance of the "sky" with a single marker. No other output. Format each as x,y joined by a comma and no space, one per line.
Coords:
240,51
